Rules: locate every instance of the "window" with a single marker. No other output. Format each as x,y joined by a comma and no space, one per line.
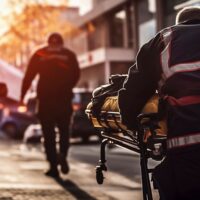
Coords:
117,29
147,21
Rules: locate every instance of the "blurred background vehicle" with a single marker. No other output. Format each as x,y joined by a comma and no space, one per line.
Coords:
33,134
14,117
80,125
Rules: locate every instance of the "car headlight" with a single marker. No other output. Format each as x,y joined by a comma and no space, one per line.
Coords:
76,107
22,109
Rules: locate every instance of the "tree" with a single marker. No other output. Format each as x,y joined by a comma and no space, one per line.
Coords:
29,23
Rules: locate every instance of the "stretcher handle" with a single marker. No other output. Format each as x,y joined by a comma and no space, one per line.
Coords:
150,116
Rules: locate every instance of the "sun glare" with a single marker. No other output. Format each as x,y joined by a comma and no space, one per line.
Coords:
24,25
84,5
3,7
5,10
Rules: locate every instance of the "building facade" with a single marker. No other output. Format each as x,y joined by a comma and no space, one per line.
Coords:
110,35
104,42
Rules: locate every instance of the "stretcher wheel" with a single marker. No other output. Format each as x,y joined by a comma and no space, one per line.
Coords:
99,175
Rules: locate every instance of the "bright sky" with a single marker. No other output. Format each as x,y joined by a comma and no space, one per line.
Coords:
84,6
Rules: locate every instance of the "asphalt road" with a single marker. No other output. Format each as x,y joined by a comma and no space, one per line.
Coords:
122,179
22,177
121,161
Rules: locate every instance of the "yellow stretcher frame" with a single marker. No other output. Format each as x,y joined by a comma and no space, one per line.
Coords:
110,115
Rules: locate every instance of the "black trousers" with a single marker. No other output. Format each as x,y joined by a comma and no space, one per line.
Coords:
178,176
50,119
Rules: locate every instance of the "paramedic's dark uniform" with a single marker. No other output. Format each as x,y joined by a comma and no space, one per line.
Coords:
57,77
170,63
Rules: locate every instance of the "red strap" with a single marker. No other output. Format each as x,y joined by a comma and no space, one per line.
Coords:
183,101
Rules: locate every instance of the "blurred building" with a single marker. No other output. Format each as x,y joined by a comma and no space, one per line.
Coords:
111,33
105,43
166,10
12,77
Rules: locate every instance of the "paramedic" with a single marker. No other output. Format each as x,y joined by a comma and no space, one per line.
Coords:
170,63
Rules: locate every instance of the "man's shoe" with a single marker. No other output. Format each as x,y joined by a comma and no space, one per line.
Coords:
64,166
52,173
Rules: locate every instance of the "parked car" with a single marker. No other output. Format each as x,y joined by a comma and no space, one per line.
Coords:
14,117
81,126
33,134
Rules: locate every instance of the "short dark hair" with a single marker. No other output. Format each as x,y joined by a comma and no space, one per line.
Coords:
188,13
55,38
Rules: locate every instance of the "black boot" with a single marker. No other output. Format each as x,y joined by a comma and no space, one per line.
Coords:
64,166
52,172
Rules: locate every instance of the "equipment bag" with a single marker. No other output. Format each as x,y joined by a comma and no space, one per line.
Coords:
101,93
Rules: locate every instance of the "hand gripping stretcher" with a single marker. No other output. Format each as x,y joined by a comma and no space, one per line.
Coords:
149,140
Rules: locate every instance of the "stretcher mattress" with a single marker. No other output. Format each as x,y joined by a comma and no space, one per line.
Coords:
110,117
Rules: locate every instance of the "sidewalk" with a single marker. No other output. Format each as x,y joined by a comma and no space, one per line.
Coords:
22,178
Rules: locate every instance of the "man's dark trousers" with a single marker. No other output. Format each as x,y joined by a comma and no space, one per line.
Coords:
51,115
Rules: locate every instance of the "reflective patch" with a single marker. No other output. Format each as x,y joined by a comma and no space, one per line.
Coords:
183,141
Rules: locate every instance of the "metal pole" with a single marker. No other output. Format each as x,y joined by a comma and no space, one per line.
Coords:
135,26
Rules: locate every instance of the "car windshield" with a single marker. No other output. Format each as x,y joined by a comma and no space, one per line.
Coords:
82,98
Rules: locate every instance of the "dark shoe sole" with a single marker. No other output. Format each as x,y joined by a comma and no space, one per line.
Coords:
64,167
53,174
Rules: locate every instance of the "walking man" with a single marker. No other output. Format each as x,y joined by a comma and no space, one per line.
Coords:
58,72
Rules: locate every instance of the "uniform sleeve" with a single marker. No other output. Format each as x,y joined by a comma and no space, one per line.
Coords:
140,85
30,74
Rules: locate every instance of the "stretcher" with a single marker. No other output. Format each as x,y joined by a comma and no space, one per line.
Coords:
148,141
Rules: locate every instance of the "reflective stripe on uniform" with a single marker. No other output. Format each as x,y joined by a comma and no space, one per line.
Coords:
183,141
168,70
165,57
185,67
